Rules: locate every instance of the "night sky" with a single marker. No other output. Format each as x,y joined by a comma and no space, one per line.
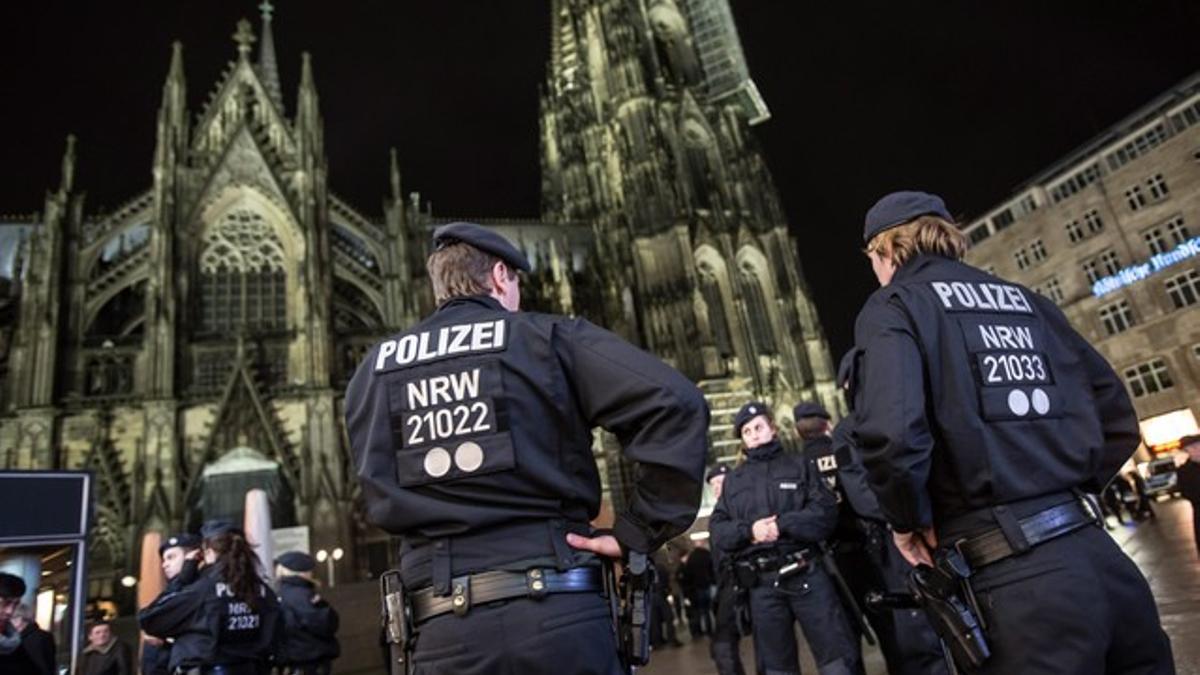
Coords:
966,99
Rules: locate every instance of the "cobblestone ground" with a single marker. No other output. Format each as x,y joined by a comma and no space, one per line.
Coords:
1163,548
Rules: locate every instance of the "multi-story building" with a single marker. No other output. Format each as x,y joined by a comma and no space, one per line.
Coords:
1112,234
197,340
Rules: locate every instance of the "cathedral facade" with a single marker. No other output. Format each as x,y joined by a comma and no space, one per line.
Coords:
196,341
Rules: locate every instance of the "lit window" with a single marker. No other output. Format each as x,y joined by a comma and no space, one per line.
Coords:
1148,378
1184,289
1116,317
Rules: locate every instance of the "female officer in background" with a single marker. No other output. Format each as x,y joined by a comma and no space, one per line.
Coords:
225,622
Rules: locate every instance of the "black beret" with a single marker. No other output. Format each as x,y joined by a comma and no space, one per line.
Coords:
216,528
899,208
748,412
1189,440
11,586
483,239
716,470
186,540
297,561
810,409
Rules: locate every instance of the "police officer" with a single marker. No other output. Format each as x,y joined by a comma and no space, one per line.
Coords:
726,636
308,643
981,415
773,514
862,544
224,623
472,437
180,554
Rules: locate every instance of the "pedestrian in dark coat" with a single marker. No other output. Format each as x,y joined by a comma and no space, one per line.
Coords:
308,644
105,654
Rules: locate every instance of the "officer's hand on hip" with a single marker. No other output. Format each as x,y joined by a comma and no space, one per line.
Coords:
765,530
605,544
917,547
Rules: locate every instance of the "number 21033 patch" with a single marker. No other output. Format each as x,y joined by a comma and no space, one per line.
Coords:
1012,372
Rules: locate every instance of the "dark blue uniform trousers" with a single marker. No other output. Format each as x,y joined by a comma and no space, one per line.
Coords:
726,637
810,598
1076,605
563,633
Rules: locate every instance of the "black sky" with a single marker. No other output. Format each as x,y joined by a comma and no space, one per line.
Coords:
965,98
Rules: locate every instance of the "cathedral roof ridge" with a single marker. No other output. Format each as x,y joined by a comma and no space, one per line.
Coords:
339,204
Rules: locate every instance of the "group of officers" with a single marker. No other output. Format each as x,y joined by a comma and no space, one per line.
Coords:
980,423
218,616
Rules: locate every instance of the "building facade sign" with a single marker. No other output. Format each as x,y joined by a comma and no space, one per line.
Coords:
1135,273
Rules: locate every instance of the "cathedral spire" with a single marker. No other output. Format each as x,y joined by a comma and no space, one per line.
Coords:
68,167
174,102
244,37
394,176
308,115
268,68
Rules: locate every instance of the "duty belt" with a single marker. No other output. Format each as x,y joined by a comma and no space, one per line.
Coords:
995,545
765,562
474,589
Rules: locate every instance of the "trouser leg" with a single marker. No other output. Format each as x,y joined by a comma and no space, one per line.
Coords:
774,632
815,603
725,637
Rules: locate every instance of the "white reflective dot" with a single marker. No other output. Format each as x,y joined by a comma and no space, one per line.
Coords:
437,462
468,456
753,410
1018,402
1041,402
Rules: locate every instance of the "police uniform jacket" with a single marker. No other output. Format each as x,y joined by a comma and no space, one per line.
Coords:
772,482
973,391
156,659
479,418
210,625
841,469
309,629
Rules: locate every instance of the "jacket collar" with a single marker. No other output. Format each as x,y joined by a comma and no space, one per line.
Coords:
764,452
471,300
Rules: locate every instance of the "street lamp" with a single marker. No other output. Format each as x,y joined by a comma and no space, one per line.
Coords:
329,558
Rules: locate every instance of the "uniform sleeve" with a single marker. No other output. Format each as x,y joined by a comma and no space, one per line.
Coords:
1118,419
816,520
728,533
660,419
170,613
892,429
369,430
852,476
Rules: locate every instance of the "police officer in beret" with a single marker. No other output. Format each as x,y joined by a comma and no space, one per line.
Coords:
472,438
862,544
726,636
180,554
308,643
982,416
772,517
225,622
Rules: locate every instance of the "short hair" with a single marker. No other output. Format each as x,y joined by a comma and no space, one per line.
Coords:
98,623
460,270
812,427
925,234
11,585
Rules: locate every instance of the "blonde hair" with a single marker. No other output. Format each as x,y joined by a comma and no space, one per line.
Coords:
926,234
459,270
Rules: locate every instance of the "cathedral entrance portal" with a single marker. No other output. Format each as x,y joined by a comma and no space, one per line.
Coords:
224,483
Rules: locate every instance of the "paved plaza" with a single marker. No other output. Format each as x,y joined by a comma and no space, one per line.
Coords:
1163,549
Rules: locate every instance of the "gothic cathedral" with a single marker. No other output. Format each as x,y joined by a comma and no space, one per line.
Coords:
196,341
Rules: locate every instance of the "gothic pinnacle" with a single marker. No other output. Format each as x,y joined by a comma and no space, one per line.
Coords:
244,37
394,176
68,166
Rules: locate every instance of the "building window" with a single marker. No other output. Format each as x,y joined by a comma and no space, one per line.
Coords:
978,234
1003,219
1037,250
1074,232
1075,182
1158,187
1196,351
1184,289
1138,146
1177,232
1093,221
242,282
1022,259
1052,289
1116,317
1135,198
1109,262
1148,378
757,311
1154,241
1092,271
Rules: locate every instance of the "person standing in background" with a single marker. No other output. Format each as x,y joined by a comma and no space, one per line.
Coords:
1188,477
37,644
105,654
308,644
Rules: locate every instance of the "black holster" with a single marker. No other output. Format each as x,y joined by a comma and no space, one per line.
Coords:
629,601
400,632
944,592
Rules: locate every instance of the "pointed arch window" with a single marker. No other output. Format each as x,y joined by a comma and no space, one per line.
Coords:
710,289
243,282
758,315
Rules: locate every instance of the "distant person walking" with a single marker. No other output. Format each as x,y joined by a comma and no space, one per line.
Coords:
1189,480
